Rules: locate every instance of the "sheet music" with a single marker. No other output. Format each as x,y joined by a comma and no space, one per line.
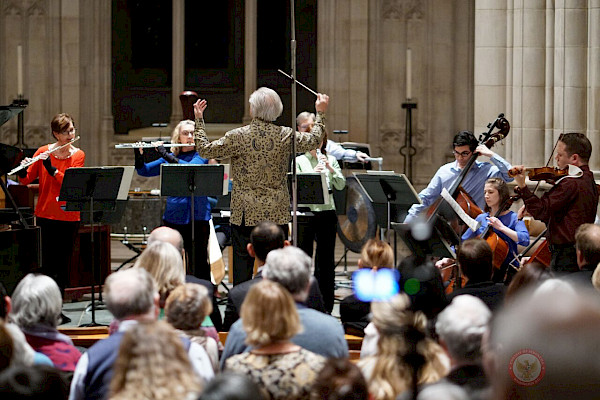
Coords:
471,223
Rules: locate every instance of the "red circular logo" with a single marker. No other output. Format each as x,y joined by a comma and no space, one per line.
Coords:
526,367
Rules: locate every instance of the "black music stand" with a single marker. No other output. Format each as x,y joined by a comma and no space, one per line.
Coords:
434,243
192,180
91,190
388,188
312,188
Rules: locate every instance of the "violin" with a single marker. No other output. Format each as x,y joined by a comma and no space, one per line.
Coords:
539,174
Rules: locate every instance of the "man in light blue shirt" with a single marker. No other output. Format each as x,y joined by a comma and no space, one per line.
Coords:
465,145
306,120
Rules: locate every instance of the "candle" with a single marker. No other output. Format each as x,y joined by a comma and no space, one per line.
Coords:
408,74
19,70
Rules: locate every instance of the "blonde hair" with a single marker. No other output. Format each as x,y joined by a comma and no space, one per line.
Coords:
187,306
165,265
152,364
175,135
377,253
400,329
269,314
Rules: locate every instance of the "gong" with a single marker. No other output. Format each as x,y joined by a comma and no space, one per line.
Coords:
357,224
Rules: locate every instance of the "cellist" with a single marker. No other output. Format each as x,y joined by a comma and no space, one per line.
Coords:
465,145
504,223
571,202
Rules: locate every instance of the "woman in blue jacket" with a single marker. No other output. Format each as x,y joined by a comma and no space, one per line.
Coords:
178,210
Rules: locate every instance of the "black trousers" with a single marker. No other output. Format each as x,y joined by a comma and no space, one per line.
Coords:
201,269
58,238
322,229
243,263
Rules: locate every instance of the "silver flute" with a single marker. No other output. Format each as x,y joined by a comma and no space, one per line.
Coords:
39,156
146,145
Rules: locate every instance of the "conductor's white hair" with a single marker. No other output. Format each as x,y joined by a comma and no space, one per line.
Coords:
265,104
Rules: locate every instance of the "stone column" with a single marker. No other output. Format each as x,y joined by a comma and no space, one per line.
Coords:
178,58
593,96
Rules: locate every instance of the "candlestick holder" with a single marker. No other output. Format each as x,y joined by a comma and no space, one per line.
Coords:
20,101
408,151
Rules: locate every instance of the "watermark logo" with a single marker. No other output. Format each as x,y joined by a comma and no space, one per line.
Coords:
526,367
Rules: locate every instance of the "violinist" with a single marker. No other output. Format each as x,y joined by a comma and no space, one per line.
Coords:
465,146
571,202
504,223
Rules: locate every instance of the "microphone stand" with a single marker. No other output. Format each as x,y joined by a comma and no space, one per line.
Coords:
293,125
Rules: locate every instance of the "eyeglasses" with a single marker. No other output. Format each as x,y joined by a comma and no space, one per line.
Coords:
462,154
68,132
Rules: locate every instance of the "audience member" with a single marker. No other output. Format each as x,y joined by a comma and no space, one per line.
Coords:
460,328
152,364
529,276
354,313
596,279
280,367
36,309
587,248
186,308
131,296
231,386
170,235
475,259
422,282
544,346
405,357
340,379
24,353
265,237
6,347
321,334
35,382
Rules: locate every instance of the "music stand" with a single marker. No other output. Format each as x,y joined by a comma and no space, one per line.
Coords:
312,188
193,180
89,190
388,188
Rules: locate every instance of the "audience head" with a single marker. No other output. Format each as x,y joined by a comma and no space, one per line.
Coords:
529,276
131,293
305,121
153,364
290,267
460,328
164,264
576,143
265,104
264,238
6,347
443,391
231,386
587,243
5,302
465,138
187,306
544,347
340,379
34,382
168,235
422,282
36,301
405,355
475,258
269,314
376,254
596,278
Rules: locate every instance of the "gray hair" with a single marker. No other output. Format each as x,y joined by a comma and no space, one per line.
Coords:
461,326
290,267
166,234
129,293
265,104
36,300
303,116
